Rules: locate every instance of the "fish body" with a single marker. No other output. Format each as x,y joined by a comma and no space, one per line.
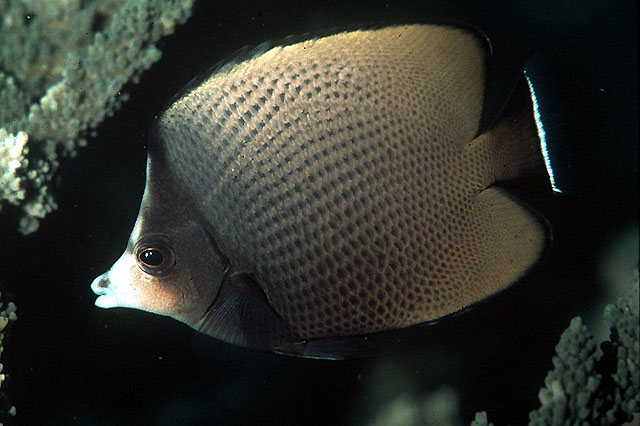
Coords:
334,187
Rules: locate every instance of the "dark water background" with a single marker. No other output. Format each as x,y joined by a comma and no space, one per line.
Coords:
71,363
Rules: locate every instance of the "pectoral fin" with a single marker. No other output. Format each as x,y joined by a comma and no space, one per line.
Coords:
241,315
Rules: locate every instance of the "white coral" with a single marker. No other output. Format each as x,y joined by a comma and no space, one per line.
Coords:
13,166
77,75
17,174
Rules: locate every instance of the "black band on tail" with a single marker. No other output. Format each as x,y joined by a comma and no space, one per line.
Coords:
549,118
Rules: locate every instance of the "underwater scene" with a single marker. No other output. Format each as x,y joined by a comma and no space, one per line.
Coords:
335,273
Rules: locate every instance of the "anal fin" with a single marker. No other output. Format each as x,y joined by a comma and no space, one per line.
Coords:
338,348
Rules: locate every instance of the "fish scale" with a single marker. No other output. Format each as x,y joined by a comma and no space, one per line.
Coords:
305,286
343,182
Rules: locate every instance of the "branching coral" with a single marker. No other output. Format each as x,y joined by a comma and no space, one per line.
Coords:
16,176
593,384
438,407
62,68
7,315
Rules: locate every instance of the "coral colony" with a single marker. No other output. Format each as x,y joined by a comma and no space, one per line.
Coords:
7,316
73,58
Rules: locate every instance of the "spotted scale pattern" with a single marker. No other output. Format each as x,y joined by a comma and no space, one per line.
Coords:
339,172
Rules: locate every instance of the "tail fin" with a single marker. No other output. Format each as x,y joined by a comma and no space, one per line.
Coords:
528,136
547,111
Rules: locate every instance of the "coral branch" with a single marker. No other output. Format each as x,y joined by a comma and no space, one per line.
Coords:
62,70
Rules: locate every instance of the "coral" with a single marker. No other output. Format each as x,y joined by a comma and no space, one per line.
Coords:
593,384
7,316
439,407
481,420
12,164
63,65
15,170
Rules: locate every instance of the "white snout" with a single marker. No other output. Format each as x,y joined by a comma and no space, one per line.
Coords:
114,287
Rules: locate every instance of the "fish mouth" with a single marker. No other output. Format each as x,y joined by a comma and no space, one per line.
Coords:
100,287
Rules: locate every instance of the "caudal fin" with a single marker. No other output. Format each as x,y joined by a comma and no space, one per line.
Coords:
520,149
528,139
547,112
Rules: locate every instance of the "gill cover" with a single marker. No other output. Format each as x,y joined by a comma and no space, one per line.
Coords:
171,265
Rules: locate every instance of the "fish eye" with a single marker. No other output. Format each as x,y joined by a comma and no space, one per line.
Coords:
154,257
151,257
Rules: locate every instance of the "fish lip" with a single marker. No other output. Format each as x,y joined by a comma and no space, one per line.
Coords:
97,286
100,298
105,301
102,288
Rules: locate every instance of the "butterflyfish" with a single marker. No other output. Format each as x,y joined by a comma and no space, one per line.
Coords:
334,187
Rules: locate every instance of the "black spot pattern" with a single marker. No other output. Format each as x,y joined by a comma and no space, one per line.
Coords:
335,170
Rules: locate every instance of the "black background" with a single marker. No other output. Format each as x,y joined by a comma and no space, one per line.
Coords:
71,363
